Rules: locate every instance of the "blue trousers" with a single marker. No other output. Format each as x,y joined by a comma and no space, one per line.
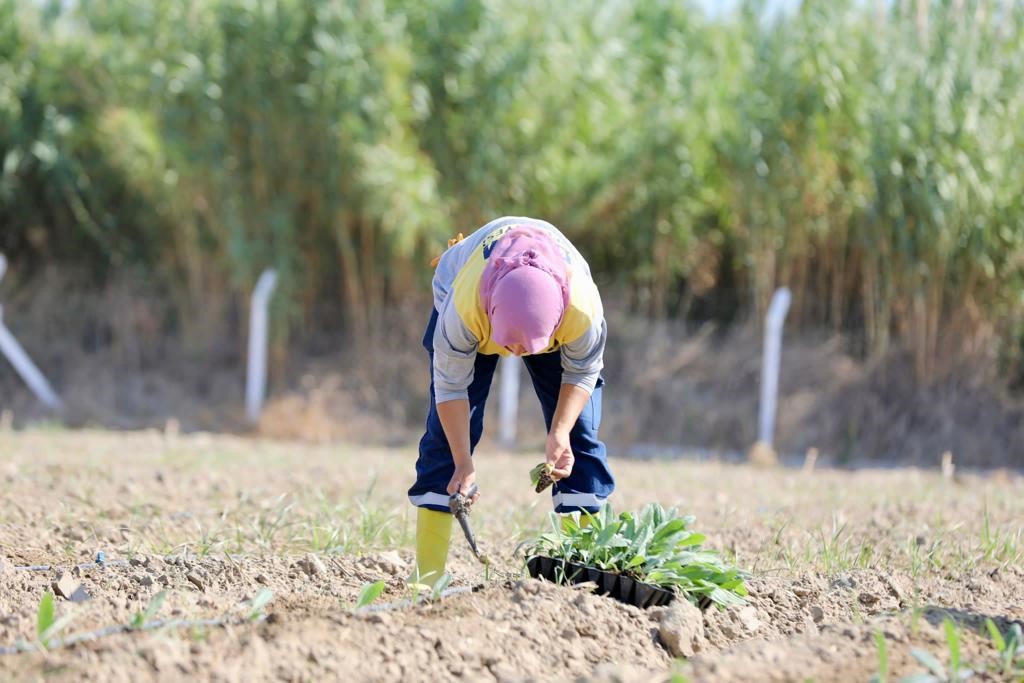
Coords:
590,483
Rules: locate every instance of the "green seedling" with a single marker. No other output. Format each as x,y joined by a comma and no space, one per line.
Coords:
936,672
257,604
998,546
47,625
883,659
1010,648
416,589
677,675
540,476
417,585
198,634
44,615
654,545
440,586
271,521
953,643
144,617
369,594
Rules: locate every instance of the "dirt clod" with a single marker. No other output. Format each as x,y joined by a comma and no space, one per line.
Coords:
194,579
747,617
66,585
312,565
867,598
680,628
391,563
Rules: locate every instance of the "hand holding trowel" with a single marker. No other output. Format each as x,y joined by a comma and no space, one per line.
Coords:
460,505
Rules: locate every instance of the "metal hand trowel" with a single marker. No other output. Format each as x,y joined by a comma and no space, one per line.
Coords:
460,504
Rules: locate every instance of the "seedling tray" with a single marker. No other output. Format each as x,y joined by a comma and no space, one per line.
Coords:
622,588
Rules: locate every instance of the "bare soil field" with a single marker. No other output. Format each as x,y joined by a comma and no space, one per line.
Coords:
840,561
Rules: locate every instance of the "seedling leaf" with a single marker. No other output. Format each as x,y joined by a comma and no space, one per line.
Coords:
997,637
930,662
636,562
883,659
953,641
415,589
56,627
44,616
47,626
993,631
370,593
440,586
142,618
261,600
919,678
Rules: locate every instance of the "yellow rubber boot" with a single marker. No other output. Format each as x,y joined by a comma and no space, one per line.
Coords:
433,535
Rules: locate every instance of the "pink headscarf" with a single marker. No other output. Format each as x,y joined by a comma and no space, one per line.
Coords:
524,288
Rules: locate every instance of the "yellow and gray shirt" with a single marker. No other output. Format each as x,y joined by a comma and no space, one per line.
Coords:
463,329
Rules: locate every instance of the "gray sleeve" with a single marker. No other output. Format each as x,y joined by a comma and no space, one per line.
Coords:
454,355
444,276
583,359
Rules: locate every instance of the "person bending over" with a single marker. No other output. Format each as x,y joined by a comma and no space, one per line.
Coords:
518,287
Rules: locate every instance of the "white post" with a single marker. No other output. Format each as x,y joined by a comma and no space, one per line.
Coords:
24,366
508,400
256,378
770,369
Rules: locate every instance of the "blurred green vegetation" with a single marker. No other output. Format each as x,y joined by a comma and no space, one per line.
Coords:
865,154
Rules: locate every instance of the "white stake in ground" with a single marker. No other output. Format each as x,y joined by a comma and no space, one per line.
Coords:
256,378
508,400
770,370
24,366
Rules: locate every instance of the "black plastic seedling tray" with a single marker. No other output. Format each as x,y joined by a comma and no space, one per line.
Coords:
622,588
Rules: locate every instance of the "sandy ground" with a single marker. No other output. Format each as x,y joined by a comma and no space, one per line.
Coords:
837,557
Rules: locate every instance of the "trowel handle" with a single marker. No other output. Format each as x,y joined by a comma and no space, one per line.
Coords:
459,500
473,488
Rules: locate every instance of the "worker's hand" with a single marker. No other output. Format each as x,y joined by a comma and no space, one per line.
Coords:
559,453
463,478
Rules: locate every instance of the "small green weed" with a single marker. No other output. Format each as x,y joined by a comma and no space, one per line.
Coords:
833,550
999,546
257,604
48,626
937,673
369,593
883,659
1010,648
440,586
144,617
